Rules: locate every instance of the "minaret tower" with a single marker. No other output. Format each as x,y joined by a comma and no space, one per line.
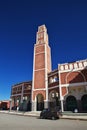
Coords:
41,67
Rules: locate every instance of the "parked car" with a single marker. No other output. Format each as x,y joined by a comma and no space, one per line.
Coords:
49,114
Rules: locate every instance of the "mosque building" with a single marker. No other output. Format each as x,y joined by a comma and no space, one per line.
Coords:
64,88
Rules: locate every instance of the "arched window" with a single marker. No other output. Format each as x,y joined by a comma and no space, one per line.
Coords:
40,102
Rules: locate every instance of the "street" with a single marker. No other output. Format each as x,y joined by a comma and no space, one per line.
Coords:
15,122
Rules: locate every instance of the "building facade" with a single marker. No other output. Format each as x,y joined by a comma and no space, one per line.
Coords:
4,105
21,96
73,85
64,88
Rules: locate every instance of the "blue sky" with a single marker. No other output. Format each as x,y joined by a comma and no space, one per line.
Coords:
66,21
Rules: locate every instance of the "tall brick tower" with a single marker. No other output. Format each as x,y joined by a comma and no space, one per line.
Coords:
41,66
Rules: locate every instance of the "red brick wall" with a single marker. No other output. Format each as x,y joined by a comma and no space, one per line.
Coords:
72,77
39,61
39,49
75,77
39,79
64,91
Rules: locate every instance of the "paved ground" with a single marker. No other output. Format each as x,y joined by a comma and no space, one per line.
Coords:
17,122
69,115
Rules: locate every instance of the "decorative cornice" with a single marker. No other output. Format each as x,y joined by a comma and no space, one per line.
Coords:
78,65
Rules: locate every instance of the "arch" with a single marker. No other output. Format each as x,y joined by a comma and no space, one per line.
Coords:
66,79
51,94
53,99
71,103
40,102
84,102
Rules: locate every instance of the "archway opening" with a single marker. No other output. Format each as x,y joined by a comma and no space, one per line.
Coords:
40,102
71,103
54,100
84,103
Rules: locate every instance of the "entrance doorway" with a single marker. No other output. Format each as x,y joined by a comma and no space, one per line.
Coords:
71,103
40,102
84,103
54,100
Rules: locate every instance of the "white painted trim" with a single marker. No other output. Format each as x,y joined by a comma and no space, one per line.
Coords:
46,67
16,95
39,69
74,84
53,87
40,53
16,86
60,91
33,75
75,62
73,70
50,60
38,45
60,87
39,89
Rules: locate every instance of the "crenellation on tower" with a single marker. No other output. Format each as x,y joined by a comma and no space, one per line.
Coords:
42,36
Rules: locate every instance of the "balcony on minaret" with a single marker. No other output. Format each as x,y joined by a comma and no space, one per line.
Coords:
42,36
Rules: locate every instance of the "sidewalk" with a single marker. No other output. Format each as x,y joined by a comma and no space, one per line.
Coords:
31,113
71,116
74,117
